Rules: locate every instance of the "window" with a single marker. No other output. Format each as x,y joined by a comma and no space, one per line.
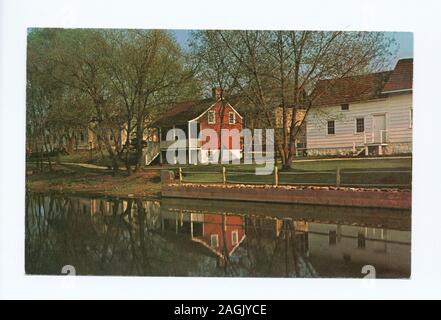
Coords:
361,241
214,238
332,237
331,127
198,229
81,137
232,118
345,107
360,124
234,237
410,118
211,117
302,240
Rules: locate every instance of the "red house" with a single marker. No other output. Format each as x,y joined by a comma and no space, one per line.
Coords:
201,145
221,234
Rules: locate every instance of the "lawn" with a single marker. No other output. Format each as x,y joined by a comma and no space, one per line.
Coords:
81,156
365,172
384,172
332,164
80,180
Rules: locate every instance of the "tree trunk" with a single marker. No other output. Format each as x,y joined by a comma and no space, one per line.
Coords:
292,148
112,155
128,168
292,140
286,165
46,148
139,140
115,167
70,143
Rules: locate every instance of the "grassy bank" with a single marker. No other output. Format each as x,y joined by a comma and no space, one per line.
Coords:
89,179
80,180
385,172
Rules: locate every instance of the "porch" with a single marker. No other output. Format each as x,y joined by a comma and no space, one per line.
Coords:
375,142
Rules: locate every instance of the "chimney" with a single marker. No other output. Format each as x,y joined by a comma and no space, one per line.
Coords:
217,93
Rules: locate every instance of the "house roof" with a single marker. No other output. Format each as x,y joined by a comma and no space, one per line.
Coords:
349,89
401,77
183,112
371,86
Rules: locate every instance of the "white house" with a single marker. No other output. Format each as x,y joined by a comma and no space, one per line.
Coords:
369,113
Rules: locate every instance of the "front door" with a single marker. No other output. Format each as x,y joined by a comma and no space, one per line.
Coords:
379,128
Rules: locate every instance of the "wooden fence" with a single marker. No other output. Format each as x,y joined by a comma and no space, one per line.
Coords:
339,178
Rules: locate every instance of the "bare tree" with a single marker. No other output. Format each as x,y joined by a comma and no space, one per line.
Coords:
281,68
54,112
76,57
146,69
114,81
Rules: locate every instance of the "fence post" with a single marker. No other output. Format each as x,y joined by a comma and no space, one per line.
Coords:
338,177
276,176
180,175
224,175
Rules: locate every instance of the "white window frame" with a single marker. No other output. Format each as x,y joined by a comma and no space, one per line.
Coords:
209,113
234,233
364,125
327,128
214,238
232,120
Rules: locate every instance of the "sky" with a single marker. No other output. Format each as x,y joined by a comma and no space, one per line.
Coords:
404,41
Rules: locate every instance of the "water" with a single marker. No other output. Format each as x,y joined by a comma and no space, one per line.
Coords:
179,237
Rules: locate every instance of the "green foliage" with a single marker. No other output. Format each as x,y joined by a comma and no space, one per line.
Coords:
107,81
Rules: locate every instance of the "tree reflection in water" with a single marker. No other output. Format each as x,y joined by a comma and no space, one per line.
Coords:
141,237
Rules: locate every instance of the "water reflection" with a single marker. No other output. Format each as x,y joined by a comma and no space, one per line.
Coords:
211,238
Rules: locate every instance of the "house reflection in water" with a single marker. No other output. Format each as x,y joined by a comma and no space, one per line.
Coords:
278,247
348,248
147,237
220,233
328,250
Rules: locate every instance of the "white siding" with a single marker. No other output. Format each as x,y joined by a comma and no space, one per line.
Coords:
397,109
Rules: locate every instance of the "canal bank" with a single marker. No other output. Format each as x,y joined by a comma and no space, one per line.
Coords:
333,196
398,219
163,183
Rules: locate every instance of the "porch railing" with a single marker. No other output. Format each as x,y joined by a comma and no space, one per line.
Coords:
383,137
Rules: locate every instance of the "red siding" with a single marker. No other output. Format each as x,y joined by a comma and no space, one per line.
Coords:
213,225
222,122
